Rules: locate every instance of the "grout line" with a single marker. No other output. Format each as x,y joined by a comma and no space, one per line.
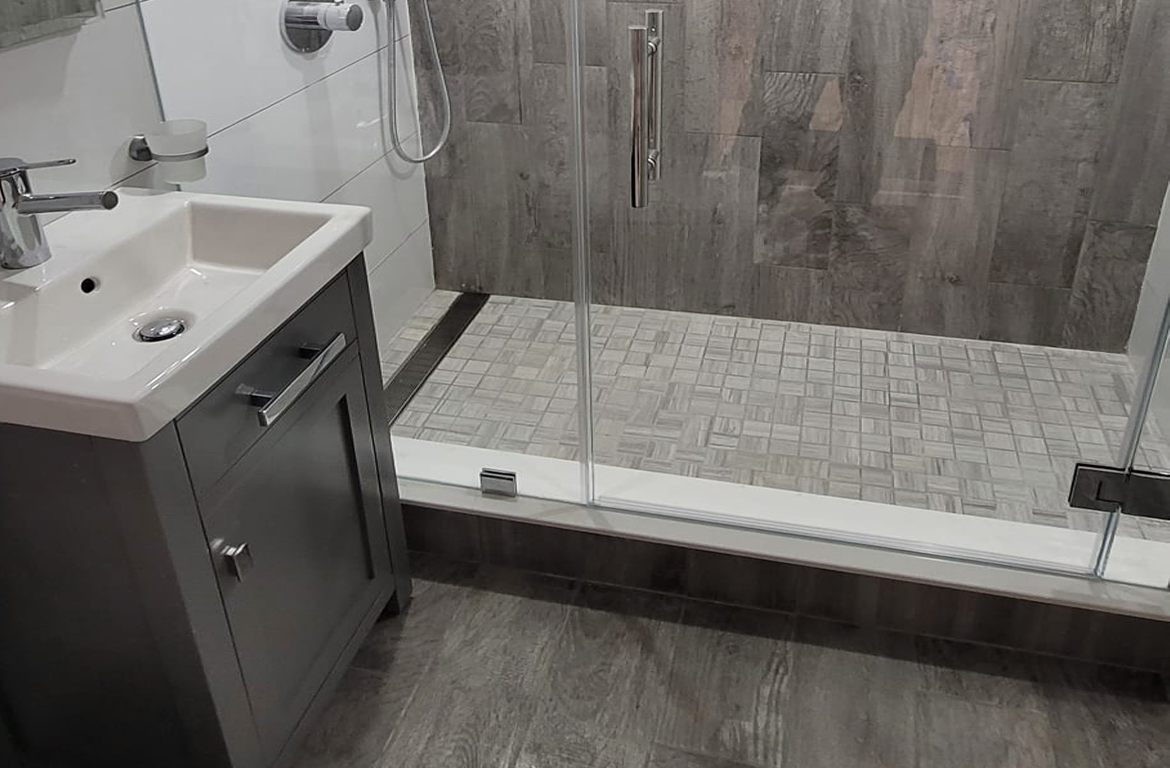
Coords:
398,247
306,87
368,166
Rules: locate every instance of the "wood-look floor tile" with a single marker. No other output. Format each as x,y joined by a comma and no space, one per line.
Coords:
955,733
604,690
353,729
668,757
728,685
1104,716
851,699
474,707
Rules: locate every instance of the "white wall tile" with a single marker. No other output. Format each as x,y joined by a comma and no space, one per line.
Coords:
222,60
400,284
311,143
80,94
396,191
286,125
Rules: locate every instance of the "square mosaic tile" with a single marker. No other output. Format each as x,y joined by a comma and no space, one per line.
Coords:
970,427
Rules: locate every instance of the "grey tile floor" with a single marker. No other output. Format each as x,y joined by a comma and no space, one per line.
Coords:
492,668
970,427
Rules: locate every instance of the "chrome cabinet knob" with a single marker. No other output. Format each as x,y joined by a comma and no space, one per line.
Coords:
238,558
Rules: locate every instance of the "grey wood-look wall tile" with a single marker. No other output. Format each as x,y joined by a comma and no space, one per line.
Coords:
1059,138
548,31
691,247
1006,736
1026,314
807,35
789,293
873,676
1081,40
868,265
495,34
946,73
724,65
798,169
1107,285
736,717
447,18
1136,167
475,707
605,688
952,238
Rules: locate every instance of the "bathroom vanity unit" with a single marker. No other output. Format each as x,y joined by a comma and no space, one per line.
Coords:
196,533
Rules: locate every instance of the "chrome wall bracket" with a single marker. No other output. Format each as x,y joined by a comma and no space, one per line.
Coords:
1132,492
497,482
140,150
646,53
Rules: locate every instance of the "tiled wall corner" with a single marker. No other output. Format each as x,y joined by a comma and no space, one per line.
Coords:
305,127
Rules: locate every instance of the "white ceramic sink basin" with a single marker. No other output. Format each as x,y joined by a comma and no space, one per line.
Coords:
232,269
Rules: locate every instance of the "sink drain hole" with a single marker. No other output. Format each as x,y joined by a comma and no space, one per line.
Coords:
90,284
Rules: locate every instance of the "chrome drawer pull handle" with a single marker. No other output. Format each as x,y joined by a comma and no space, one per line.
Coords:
274,405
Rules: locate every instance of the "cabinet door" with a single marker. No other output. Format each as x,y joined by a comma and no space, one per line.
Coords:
298,539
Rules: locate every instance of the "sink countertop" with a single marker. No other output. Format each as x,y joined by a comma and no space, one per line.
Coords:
234,268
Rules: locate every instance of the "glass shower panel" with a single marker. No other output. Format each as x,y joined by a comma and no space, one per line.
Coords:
1139,552
877,266
500,205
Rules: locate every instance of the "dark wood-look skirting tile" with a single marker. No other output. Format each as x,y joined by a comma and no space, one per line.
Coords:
891,604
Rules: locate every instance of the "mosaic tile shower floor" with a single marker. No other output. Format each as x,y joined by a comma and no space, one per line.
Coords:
969,427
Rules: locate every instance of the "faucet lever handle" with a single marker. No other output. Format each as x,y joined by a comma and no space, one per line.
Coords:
10,166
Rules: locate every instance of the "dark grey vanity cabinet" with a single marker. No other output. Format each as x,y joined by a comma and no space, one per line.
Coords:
192,600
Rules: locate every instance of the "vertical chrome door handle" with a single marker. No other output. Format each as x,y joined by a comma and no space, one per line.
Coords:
639,142
654,114
645,106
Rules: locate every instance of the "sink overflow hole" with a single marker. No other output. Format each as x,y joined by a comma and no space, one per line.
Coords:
89,285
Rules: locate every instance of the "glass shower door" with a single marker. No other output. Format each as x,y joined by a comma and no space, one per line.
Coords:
842,278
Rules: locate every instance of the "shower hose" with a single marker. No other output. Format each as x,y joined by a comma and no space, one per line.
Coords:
445,95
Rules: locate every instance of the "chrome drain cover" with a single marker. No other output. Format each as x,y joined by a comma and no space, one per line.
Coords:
161,329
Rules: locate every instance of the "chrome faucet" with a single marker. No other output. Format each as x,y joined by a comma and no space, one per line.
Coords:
22,241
